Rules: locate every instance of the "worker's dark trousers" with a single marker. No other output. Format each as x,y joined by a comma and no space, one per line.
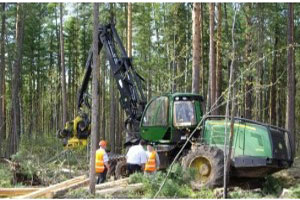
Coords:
102,176
132,168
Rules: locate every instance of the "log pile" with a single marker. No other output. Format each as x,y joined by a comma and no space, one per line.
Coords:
58,190
51,191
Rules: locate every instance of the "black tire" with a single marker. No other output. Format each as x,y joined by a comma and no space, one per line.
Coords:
209,164
121,170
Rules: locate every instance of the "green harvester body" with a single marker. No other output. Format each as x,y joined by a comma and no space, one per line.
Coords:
258,149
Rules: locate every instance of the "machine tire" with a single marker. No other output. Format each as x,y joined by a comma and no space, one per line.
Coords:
121,169
209,164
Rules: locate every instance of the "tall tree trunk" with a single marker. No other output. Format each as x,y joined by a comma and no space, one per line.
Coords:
103,118
95,100
196,48
202,73
249,78
273,92
112,112
16,82
219,58
117,122
259,66
291,93
2,84
212,57
57,100
63,74
112,99
129,30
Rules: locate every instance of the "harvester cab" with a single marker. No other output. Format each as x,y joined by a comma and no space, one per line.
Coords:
171,118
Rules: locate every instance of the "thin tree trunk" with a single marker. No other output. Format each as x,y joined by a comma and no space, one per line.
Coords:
103,119
219,58
95,100
196,48
16,82
112,113
63,75
212,56
202,73
2,84
291,93
249,78
259,67
129,31
57,100
273,92
112,99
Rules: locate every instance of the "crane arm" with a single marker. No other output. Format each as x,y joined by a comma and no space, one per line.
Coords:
129,82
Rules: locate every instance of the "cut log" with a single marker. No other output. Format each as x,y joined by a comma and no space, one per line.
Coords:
60,192
120,189
112,184
11,192
48,190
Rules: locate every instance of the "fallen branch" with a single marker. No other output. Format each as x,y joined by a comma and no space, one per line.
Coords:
48,190
11,192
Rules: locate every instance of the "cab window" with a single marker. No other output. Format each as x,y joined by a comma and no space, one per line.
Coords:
184,113
157,113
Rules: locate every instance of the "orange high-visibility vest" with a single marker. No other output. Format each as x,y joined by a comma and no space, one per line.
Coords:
151,163
99,161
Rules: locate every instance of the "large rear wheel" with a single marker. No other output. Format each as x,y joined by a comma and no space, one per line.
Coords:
208,163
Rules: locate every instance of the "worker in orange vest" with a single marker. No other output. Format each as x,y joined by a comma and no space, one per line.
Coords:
153,162
101,161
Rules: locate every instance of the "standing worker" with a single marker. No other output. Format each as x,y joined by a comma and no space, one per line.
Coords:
153,161
136,158
102,165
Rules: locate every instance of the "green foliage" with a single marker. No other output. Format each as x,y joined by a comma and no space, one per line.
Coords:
245,194
176,186
44,157
295,192
272,186
80,193
6,176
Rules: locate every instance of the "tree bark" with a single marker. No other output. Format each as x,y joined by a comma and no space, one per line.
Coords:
129,31
273,69
249,78
95,100
259,66
196,48
291,93
63,74
212,57
103,119
16,82
112,113
219,58
2,84
112,130
201,49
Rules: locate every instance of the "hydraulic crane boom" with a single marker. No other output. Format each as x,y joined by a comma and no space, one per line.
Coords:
132,98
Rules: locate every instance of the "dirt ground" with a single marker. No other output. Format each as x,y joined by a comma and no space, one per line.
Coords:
291,175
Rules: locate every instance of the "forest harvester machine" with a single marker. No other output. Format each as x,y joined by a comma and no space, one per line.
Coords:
169,120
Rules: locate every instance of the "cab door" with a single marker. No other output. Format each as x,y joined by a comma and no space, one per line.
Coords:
154,124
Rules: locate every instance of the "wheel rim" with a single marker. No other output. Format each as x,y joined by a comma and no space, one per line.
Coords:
203,168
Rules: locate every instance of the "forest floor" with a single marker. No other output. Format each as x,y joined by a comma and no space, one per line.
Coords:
42,170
